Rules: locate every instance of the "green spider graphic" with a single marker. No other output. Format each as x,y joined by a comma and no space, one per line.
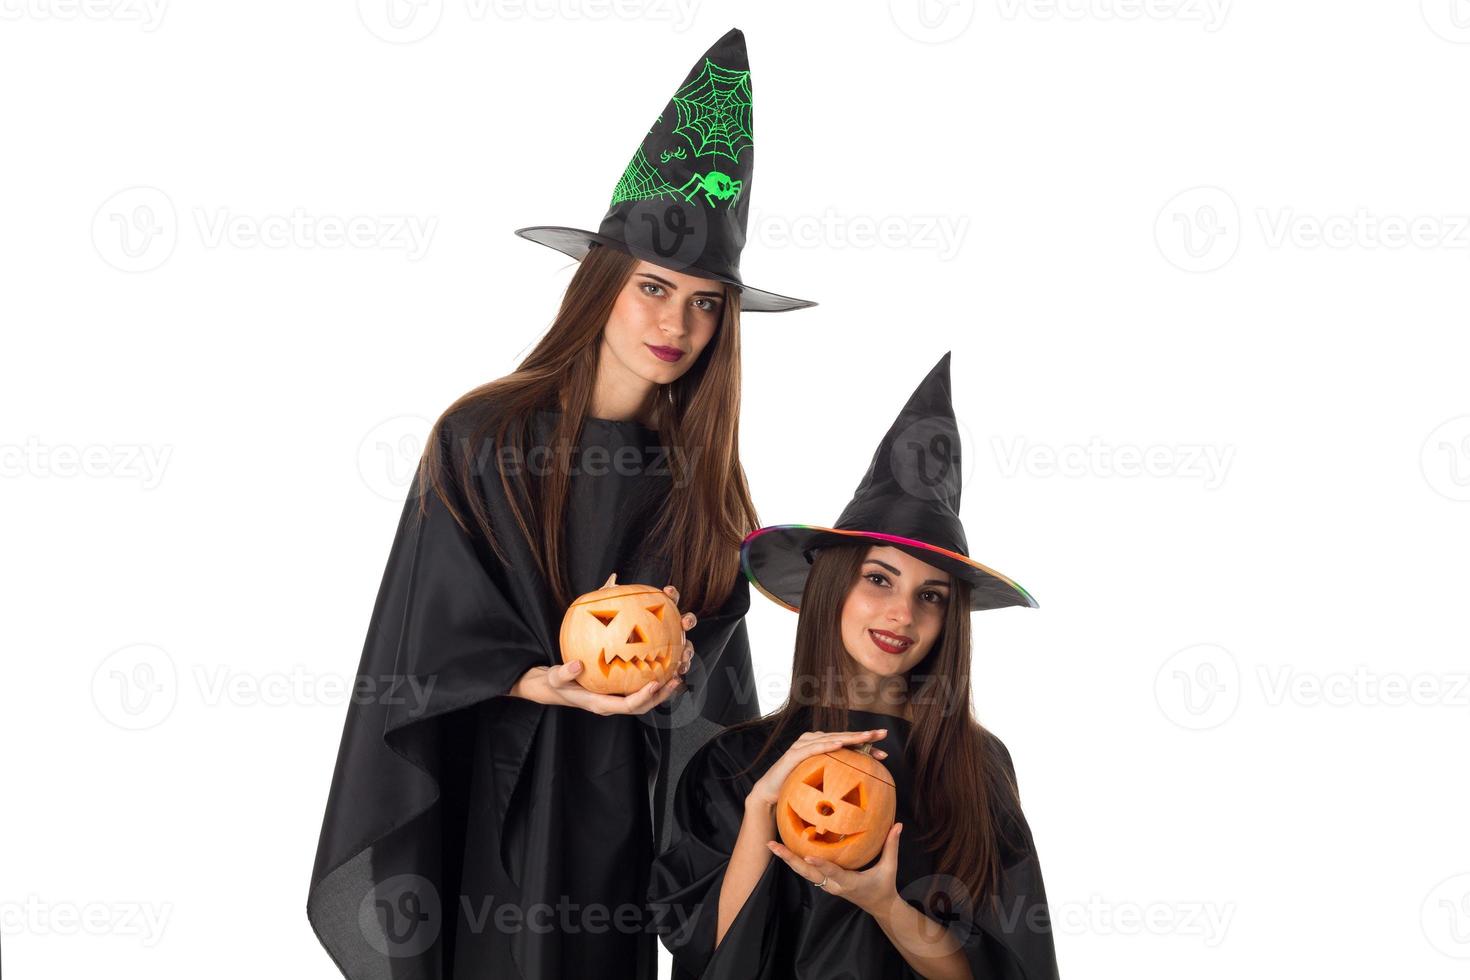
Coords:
714,186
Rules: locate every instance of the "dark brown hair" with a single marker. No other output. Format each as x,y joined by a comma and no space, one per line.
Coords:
708,510
963,790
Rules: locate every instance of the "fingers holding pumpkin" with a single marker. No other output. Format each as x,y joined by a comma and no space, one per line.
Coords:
564,675
687,660
649,696
794,862
888,860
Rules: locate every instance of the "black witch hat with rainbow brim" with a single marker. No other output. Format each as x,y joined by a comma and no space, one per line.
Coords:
683,201
910,499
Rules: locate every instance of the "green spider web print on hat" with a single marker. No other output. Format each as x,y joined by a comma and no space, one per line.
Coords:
712,120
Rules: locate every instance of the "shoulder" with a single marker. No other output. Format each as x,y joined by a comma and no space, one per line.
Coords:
996,750
732,753
469,427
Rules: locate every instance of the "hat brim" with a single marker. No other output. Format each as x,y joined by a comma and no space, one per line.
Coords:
775,561
576,241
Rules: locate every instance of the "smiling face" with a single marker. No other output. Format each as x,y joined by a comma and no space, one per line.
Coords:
659,324
894,612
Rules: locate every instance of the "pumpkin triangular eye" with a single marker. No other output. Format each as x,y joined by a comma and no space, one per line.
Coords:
854,796
814,778
636,636
658,612
605,618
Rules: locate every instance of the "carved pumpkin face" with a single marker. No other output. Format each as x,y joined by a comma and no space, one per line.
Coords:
624,635
838,806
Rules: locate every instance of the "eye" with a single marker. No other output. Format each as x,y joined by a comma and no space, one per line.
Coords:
657,289
938,598
877,578
709,305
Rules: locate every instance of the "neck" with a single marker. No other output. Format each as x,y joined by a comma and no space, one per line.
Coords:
619,394
867,691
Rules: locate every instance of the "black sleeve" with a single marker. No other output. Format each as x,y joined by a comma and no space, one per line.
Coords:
684,886
444,634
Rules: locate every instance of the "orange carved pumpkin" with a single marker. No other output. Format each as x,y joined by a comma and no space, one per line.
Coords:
624,635
838,806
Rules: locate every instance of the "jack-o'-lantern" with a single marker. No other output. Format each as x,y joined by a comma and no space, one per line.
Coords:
837,806
624,635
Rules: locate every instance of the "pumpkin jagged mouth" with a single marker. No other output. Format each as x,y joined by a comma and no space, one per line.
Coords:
644,664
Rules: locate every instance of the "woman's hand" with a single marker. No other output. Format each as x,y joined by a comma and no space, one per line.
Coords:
766,789
558,685
874,890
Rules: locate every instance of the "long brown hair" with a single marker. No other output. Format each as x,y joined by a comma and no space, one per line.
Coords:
708,510
963,791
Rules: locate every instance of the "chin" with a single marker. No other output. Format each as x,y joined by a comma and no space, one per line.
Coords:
881,666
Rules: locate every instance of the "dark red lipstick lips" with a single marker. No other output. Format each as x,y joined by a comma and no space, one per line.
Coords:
665,353
889,642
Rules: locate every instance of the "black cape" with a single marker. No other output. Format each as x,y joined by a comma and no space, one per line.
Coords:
468,833
790,929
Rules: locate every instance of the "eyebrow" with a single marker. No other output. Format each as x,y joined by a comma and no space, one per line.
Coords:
661,279
896,572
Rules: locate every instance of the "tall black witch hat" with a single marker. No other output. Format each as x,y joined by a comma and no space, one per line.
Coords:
909,498
684,199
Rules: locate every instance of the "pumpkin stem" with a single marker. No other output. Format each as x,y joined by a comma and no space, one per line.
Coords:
611,580
866,748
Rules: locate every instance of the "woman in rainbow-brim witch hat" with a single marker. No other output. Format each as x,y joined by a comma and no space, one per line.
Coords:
882,661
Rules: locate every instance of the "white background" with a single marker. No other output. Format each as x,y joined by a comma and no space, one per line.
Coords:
1228,240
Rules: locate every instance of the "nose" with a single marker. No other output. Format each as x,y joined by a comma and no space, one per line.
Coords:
900,612
673,321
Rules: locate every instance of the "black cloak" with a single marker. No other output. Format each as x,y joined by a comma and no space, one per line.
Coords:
469,833
790,929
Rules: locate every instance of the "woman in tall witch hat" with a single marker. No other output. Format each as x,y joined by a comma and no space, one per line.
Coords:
489,817
882,660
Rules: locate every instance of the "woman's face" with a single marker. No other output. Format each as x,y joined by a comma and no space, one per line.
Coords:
660,323
894,612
